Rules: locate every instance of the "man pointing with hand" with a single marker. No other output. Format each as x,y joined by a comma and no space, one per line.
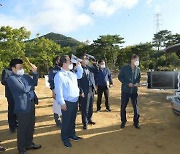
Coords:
22,88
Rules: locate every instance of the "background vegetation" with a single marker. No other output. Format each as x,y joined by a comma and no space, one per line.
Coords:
42,49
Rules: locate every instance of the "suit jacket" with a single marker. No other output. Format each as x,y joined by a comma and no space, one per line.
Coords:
21,91
86,80
51,76
103,77
6,73
127,76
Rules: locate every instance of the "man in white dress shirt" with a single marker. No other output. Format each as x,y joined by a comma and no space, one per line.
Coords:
67,94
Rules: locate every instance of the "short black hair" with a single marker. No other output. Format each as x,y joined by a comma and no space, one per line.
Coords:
134,56
14,62
101,60
63,59
55,60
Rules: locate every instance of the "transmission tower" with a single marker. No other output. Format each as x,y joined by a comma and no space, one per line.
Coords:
158,21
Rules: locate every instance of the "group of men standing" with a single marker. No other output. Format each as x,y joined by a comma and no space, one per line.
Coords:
73,84
70,83
95,79
81,82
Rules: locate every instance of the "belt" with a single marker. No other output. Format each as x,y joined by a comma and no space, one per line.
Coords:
69,101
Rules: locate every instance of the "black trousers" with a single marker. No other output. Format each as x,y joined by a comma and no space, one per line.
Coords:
87,106
12,118
100,91
124,101
25,131
68,121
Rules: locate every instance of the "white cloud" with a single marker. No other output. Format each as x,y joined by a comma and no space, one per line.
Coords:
59,16
64,15
149,2
14,22
109,7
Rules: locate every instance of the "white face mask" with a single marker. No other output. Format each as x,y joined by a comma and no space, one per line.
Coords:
70,66
20,72
86,62
136,63
103,66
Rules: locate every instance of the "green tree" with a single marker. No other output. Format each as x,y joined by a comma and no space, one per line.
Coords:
172,39
161,38
11,44
85,48
143,50
107,47
41,52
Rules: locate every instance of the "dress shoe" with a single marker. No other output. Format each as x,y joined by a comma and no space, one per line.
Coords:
98,110
33,146
67,144
137,126
2,149
108,110
85,127
75,138
123,124
91,123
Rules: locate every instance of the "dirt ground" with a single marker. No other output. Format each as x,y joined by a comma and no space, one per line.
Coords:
159,133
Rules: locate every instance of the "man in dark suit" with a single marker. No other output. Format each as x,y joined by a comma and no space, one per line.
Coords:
130,76
87,88
12,118
22,89
104,82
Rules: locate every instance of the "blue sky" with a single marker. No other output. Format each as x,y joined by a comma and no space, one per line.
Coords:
134,20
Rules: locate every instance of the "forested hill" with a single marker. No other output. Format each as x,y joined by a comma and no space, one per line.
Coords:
62,40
